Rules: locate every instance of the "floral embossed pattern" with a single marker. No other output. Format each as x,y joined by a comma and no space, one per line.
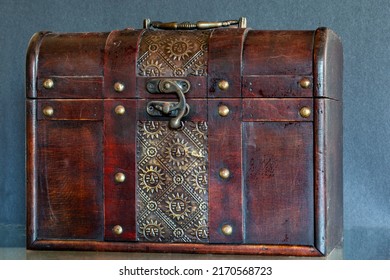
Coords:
172,182
173,53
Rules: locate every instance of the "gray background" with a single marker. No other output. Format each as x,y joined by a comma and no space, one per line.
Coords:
364,27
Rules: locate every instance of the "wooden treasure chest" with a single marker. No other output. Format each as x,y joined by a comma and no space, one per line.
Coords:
207,138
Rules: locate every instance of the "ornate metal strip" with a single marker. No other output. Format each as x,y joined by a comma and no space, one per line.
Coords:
173,53
172,184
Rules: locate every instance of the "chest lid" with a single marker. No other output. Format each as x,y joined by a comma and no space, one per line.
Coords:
228,62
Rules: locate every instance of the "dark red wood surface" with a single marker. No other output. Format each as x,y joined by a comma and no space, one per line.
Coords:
278,53
225,151
71,54
284,86
72,87
197,248
71,109
272,109
278,180
225,61
119,156
120,62
69,194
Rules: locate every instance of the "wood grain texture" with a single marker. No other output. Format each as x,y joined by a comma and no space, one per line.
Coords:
225,195
225,61
71,54
278,53
271,109
69,194
278,176
243,249
120,58
275,86
328,161
328,64
32,63
31,171
71,109
119,156
328,158
72,87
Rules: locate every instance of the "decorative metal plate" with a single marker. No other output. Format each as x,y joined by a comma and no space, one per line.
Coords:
172,182
173,53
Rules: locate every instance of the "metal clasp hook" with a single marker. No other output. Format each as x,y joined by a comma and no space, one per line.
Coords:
177,110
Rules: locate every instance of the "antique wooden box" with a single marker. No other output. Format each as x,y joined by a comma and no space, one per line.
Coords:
200,139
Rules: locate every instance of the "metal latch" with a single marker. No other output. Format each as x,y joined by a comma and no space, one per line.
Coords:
176,110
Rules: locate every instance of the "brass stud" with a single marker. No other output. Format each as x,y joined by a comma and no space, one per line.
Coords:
167,85
48,83
305,112
224,173
119,87
120,110
223,110
120,177
117,230
227,230
304,83
223,85
48,111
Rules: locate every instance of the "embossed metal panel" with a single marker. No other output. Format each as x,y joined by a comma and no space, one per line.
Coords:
173,54
172,182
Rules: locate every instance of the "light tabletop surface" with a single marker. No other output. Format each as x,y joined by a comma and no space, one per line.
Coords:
17,253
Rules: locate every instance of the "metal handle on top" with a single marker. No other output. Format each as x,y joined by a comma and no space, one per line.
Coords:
241,23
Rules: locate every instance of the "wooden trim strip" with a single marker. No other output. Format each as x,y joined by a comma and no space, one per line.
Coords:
276,110
225,62
71,109
266,250
225,152
120,59
120,132
71,87
279,86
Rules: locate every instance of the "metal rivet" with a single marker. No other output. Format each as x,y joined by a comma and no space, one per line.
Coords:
304,83
223,85
223,110
120,177
120,110
305,112
117,230
48,83
227,229
48,111
224,173
119,87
